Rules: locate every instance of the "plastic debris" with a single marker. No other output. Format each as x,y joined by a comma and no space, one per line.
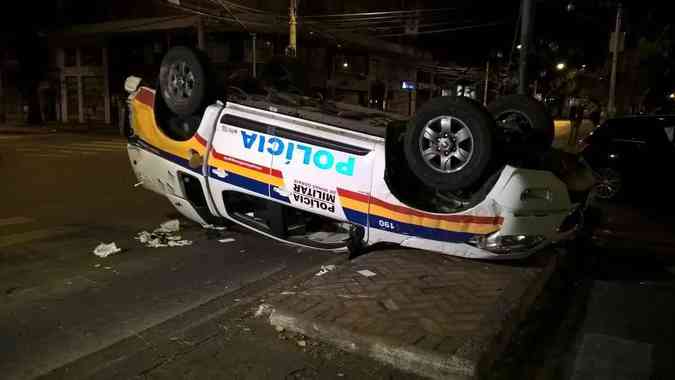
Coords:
179,243
366,273
325,269
169,226
226,240
263,309
213,227
164,236
105,250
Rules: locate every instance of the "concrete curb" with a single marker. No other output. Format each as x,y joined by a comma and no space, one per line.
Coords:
474,357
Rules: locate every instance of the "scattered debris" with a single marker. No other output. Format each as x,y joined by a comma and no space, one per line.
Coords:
213,227
287,293
108,268
263,310
279,329
242,251
105,250
164,236
226,240
302,343
97,265
325,269
169,226
366,273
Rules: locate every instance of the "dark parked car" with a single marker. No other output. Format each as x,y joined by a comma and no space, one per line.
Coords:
630,156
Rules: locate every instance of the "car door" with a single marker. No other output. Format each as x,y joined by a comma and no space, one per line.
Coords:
239,167
318,163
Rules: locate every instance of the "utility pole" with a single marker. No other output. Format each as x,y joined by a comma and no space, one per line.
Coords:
611,106
526,18
293,23
253,56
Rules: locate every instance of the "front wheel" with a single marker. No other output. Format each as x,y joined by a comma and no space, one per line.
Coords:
183,81
448,144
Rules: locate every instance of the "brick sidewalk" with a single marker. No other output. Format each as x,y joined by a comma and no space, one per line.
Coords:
434,315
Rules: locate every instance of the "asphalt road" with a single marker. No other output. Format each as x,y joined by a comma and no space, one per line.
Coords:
62,195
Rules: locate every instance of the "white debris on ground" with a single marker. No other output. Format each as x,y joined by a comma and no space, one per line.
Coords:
263,309
164,236
226,240
213,227
325,269
169,226
105,250
366,273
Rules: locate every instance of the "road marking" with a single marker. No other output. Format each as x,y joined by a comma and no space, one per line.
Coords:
62,153
15,220
609,357
64,147
94,148
108,143
27,237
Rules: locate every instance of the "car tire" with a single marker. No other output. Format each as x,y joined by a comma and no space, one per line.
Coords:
181,128
184,81
609,183
524,126
449,143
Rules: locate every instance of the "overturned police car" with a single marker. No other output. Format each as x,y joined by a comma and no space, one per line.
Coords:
454,179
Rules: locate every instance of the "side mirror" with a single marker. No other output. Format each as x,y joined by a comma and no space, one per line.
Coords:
131,84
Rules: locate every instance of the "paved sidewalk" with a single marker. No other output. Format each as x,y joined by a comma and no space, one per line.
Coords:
434,315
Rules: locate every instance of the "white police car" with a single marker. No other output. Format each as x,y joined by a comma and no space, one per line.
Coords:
337,177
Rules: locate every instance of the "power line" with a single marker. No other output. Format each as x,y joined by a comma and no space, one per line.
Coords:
485,25
223,3
367,14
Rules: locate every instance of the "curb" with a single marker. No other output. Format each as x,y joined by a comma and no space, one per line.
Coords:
475,356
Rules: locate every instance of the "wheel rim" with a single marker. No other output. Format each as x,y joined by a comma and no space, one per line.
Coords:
609,183
514,125
446,144
181,80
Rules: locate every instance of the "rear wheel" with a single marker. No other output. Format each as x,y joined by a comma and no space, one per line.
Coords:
608,183
449,143
183,81
524,126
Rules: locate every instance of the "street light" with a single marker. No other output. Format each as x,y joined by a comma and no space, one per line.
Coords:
560,66
519,46
672,96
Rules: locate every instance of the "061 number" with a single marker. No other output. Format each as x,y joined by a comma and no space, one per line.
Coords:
387,224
